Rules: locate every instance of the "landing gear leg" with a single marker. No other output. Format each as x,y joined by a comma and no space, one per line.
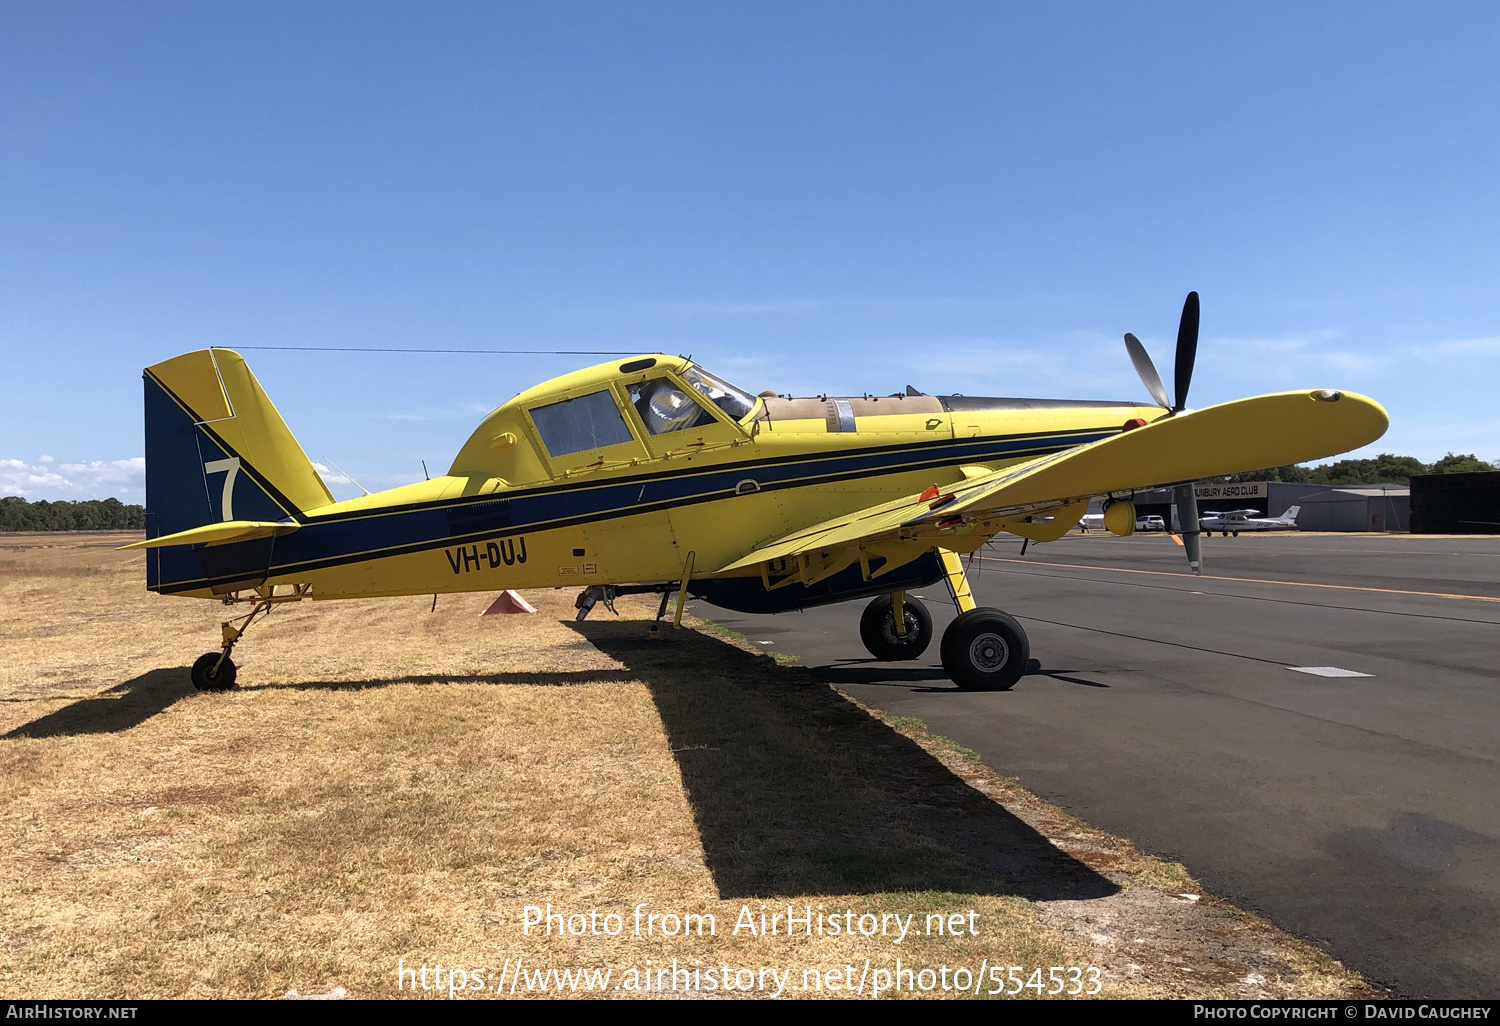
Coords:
682,591
958,581
983,649
215,671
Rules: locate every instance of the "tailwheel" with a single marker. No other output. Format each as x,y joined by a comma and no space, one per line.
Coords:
985,650
877,629
214,671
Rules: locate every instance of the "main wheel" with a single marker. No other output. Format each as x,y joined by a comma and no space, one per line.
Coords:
877,629
985,650
205,678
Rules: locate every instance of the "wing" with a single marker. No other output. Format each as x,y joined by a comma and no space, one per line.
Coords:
1265,431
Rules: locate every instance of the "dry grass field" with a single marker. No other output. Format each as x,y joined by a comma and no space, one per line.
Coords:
392,786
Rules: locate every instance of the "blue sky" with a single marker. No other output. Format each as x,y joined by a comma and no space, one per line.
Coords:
810,197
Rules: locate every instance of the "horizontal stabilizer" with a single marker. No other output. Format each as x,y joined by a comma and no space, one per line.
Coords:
218,534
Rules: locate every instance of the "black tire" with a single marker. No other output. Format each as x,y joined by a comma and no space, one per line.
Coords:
204,677
985,650
877,629
1236,534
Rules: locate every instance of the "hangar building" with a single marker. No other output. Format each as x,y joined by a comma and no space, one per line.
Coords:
1357,508
1456,503
1324,507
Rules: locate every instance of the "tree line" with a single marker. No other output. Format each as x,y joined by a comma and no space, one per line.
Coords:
1387,468
16,514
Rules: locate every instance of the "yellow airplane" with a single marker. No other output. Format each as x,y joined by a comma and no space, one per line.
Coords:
653,475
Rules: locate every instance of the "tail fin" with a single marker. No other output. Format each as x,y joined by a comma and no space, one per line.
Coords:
1290,516
217,450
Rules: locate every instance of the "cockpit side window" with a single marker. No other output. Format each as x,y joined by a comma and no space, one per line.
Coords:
590,421
665,408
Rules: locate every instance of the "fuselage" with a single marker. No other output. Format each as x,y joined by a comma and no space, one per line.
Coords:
637,492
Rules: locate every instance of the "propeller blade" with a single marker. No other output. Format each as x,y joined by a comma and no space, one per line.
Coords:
1187,350
1147,370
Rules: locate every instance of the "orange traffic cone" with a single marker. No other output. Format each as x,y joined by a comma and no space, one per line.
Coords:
509,602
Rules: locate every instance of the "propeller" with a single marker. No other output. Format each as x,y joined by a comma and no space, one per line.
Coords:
1187,353
1182,378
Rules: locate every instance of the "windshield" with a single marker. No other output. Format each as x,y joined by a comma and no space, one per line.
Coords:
731,400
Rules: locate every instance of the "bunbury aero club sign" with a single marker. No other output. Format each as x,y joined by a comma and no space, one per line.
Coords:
1238,490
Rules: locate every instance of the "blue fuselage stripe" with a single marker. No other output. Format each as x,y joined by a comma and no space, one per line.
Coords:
353,537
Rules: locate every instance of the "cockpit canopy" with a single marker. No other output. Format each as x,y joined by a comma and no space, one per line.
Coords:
603,411
594,421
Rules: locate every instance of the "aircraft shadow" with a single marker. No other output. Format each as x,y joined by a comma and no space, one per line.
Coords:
868,671
140,698
545,680
796,790
156,690
884,674
1066,678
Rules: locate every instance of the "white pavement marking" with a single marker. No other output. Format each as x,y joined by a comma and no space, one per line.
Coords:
1329,671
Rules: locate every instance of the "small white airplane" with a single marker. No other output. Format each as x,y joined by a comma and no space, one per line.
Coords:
1236,520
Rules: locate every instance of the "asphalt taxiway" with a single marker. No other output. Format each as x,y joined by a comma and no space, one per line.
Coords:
1359,812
